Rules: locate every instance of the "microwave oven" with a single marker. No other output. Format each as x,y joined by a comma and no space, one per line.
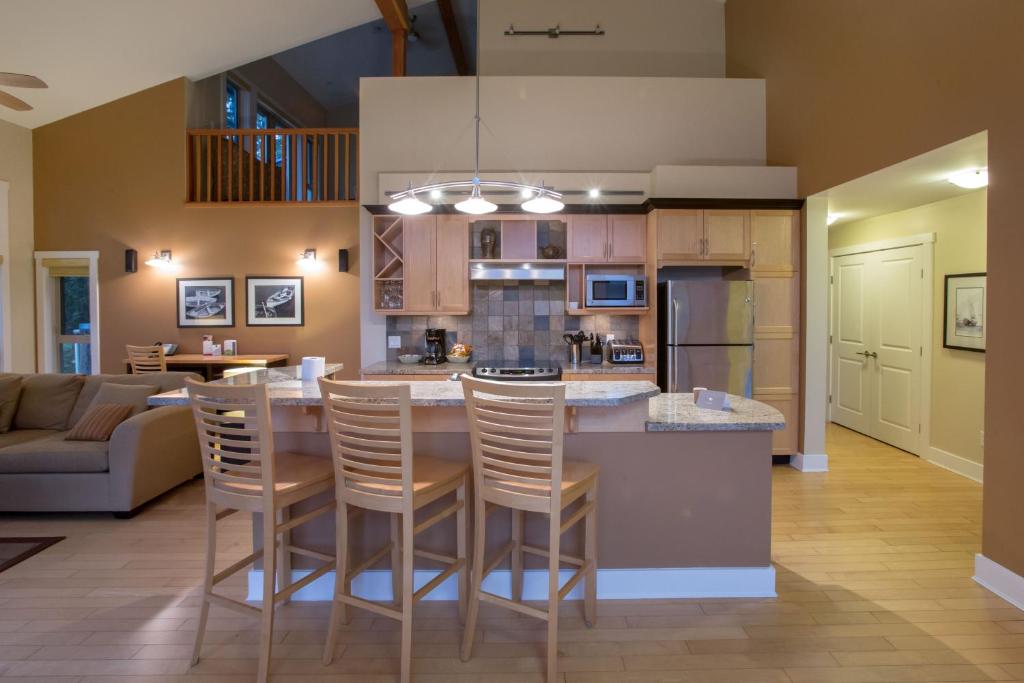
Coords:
616,291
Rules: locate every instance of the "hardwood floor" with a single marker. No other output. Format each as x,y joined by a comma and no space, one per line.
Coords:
874,562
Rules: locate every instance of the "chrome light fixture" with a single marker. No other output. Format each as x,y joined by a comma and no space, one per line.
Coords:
538,199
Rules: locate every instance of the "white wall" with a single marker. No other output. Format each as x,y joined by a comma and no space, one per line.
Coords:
538,124
16,249
642,38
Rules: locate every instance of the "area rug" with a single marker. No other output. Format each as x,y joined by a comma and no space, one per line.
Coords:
15,550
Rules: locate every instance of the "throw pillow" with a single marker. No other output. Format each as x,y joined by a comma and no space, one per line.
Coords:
99,422
46,401
133,395
10,390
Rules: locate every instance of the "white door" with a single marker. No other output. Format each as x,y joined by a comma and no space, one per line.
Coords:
876,344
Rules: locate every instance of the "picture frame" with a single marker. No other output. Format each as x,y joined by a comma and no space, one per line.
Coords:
275,301
964,312
206,301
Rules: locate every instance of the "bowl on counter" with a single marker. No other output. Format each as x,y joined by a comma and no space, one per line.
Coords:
457,359
410,358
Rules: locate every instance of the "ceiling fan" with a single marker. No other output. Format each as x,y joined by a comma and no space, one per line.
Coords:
17,81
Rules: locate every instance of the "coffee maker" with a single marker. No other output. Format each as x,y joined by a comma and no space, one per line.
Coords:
437,342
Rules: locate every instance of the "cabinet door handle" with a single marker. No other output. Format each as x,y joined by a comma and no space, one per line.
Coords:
753,253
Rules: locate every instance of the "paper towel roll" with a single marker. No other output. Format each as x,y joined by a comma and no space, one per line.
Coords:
313,367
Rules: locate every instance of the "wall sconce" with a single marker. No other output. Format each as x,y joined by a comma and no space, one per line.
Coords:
131,261
161,259
307,260
343,260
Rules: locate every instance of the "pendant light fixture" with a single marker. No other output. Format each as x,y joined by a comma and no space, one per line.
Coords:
538,199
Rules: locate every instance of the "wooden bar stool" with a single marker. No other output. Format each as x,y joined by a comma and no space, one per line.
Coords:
243,472
374,469
517,433
146,359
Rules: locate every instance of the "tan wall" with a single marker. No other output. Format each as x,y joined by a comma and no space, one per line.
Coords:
958,377
854,87
114,177
16,169
642,38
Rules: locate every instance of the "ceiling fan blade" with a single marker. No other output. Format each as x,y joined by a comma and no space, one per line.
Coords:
21,81
8,100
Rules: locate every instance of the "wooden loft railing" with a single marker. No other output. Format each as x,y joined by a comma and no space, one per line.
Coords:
273,166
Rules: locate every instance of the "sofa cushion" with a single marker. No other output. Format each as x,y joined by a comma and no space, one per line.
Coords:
163,381
23,435
46,401
54,454
133,396
10,390
100,422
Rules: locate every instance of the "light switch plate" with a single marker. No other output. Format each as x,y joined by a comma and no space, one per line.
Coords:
394,342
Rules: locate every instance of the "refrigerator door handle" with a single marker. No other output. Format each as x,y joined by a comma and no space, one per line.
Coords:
670,370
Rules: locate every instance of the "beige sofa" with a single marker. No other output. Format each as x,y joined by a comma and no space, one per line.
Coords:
147,454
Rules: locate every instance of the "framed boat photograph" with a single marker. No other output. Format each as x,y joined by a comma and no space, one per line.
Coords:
206,302
964,312
274,301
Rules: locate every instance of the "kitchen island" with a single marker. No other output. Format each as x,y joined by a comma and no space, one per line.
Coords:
684,494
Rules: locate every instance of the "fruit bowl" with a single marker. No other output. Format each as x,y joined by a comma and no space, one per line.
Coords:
410,358
457,359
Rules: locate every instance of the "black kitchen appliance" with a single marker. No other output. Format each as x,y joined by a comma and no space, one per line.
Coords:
512,371
436,342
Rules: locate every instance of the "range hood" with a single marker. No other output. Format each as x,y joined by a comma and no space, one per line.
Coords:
516,271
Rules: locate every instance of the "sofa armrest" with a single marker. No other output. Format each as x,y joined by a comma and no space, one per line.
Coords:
151,453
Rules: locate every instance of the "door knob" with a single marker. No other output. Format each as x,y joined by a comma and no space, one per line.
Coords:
867,354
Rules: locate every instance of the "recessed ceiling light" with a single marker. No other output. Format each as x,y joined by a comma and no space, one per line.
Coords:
970,179
832,218
594,193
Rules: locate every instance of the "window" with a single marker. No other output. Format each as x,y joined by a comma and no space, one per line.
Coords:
73,338
266,119
231,105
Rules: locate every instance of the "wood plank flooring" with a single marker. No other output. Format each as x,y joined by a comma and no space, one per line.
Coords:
874,562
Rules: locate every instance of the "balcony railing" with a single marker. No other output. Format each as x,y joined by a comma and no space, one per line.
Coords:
273,166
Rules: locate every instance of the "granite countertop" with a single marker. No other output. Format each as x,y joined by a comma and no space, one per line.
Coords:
677,413
396,368
286,389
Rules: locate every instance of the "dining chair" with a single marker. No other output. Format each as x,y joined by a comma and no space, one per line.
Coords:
146,359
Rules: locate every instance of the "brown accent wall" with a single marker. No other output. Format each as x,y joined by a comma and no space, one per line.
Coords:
853,87
113,178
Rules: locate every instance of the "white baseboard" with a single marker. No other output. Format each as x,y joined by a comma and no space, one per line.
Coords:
810,462
1000,580
954,463
612,584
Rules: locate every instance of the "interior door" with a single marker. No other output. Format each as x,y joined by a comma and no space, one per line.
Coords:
897,277
851,376
418,249
877,345
453,264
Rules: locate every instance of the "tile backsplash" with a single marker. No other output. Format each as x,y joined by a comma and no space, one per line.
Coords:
512,321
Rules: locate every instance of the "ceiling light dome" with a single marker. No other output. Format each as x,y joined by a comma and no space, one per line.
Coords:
476,204
410,205
970,179
542,203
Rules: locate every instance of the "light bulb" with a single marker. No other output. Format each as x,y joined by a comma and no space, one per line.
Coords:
542,204
970,179
307,260
161,259
410,206
832,218
526,193
476,204
435,194
594,193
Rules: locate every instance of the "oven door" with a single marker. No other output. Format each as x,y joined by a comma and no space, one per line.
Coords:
610,290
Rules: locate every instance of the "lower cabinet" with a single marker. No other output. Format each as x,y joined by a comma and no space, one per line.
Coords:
786,441
608,377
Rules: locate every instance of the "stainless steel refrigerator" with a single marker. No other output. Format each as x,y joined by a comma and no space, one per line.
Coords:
706,335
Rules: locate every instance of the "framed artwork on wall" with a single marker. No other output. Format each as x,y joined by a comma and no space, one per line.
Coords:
206,302
965,312
274,301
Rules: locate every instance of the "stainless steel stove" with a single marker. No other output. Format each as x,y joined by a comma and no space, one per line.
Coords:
510,371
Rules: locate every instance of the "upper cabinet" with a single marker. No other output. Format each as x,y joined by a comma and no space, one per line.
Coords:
775,241
421,264
597,238
702,236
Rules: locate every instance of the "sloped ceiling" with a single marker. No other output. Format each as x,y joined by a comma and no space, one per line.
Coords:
95,51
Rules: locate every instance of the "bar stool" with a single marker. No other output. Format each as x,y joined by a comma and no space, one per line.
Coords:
243,472
517,433
146,359
370,428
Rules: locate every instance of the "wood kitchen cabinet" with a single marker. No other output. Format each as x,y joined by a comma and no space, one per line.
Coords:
434,273
775,241
680,234
607,239
702,236
726,235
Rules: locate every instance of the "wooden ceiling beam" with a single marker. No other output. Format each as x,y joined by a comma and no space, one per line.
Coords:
451,29
396,18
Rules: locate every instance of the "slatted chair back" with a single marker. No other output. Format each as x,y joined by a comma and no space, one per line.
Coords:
517,434
370,428
146,359
236,443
